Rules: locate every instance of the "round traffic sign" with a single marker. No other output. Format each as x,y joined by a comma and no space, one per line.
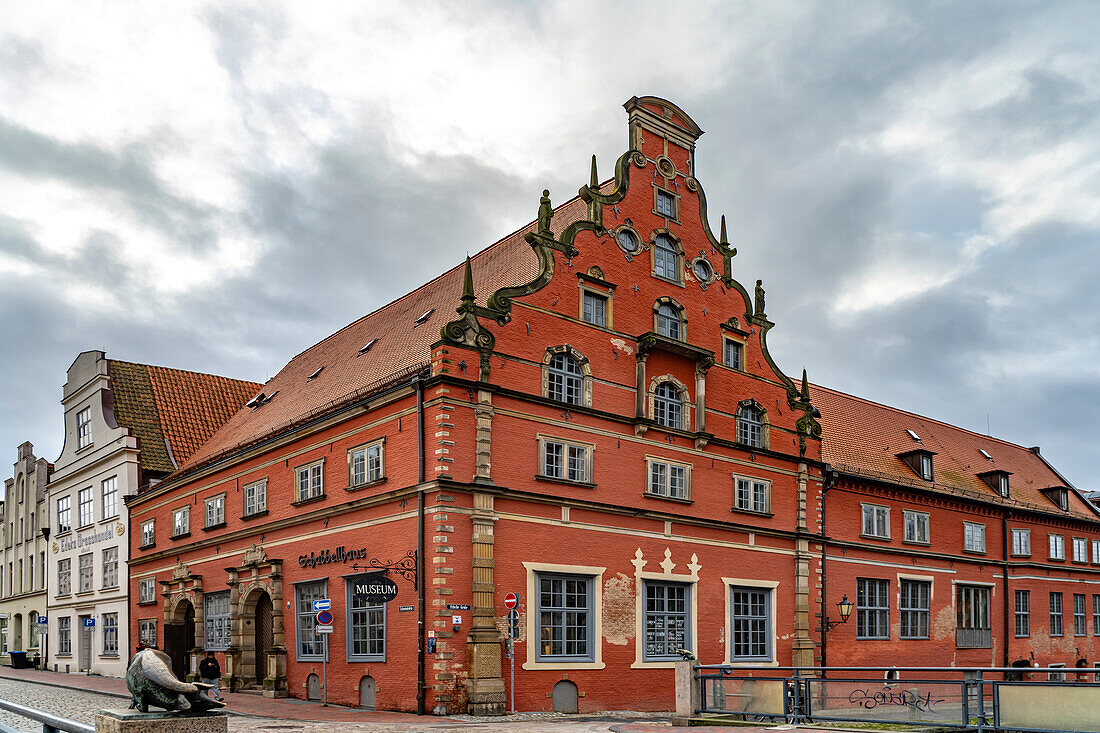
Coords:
324,617
510,601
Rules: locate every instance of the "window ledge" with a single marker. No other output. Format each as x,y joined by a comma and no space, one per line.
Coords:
565,666
916,542
310,500
65,656
367,485
675,499
108,656
753,512
975,552
146,547
109,587
84,526
662,278
147,603
1056,559
875,537
63,595
567,482
1015,555
180,536
78,451
1080,562
107,520
63,533
253,515
85,593
212,527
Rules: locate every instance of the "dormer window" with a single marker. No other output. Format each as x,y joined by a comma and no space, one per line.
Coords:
1059,495
921,463
997,480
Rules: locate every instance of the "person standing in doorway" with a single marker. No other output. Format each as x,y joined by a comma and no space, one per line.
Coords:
210,673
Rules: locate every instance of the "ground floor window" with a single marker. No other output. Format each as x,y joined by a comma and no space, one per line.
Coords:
667,629
1023,613
147,632
3,636
366,629
872,609
750,624
915,595
215,621
64,635
972,630
110,634
566,622
310,643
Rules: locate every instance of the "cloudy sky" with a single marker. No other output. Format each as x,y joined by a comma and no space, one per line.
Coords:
218,186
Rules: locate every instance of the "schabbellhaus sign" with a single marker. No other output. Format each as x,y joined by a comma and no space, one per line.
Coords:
326,557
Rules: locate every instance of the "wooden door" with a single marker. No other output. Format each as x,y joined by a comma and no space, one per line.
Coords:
368,693
265,635
85,644
175,646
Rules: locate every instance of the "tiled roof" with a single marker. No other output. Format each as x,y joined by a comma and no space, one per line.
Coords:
171,411
402,346
864,438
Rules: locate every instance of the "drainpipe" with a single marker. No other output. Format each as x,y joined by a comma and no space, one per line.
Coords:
418,382
828,483
1004,571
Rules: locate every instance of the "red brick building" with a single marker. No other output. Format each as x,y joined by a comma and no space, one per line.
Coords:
600,429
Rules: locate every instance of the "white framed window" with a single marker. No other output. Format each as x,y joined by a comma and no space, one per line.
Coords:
915,605
215,621
310,643
1057,547
565,460
64,576
147,591
1080,549
1096,615
1021,542
666,258
110,567
255,498
147,631
565,380
365,464
750,426
214,511
973,537
1002,485
872,608
876,520
594,308
916,526
668,406
64,514
110,634
366,628
668,479
310,480
751,624
181,521
1023,613
667,620
64,635
86,572
1096,552
109,495
669,321
148,533
1056,614
86,506
733,353
565,609
84,428
751,495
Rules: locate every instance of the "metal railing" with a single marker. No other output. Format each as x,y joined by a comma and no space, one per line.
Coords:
986,700
50,723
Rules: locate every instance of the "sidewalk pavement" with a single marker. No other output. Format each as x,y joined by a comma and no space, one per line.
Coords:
238,703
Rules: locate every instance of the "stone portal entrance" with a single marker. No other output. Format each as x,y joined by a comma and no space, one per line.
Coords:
256,656
264,639
179,637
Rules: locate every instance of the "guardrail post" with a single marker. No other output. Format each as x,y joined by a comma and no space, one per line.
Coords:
796,706
687,692
981,702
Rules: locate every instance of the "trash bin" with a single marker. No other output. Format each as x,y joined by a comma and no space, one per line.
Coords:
18,660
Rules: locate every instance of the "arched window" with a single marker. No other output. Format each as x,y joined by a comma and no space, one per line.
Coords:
566,383
750,426
669,322
666,258
668,406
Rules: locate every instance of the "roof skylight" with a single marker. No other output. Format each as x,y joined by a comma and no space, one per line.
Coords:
424,317
315,374
367,346
985,454
255,401
913,435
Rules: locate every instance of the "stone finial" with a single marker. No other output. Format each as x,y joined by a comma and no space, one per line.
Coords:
805,386
594,181
468,283
722,237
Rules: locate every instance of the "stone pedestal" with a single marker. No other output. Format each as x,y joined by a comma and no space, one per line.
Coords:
131,721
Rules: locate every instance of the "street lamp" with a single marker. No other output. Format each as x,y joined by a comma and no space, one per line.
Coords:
845,607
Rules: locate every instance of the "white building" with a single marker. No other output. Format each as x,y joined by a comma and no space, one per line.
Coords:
126,425
23,555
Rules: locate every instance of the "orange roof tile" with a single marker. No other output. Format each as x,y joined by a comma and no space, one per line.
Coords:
864,438
172,411
402,349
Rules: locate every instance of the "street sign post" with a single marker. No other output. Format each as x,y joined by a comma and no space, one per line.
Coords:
324,627
324,618
322,604
510,602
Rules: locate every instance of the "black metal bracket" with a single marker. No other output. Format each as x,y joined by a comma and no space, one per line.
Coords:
406,567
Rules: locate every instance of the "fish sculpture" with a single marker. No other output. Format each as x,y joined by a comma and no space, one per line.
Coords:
150,679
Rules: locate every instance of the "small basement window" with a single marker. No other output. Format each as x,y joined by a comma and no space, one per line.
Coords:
424,317
367,346
315,374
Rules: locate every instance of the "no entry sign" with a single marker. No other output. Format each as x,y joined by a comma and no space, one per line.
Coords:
510,601
324,618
